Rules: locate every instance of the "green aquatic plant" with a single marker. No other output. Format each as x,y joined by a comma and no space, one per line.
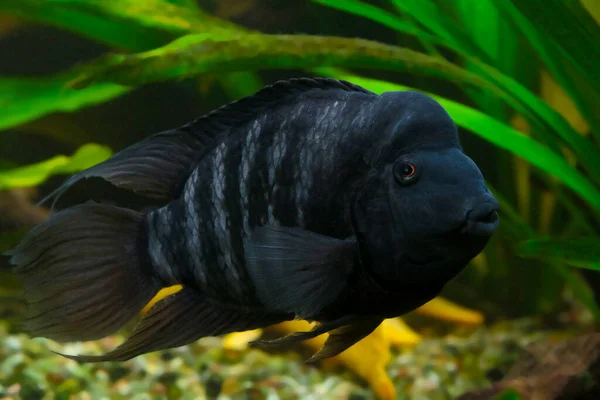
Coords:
34,174
478,47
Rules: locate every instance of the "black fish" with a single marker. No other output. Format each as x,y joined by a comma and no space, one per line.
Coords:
313,199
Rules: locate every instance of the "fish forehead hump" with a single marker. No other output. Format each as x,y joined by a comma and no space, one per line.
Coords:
406,120
377,126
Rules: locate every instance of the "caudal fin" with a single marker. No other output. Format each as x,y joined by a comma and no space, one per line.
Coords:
84,272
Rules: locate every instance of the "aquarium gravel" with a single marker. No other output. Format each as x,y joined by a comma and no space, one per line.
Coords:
437,368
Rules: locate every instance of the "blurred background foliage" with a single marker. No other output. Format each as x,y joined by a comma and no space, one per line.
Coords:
81,79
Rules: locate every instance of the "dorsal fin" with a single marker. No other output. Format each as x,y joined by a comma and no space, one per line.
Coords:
152,171
239,110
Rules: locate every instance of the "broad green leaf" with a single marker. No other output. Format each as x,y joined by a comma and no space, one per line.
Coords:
23,100
31,175
197,54
129,24
500,134
578,251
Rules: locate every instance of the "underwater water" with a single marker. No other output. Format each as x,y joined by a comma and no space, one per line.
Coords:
82,80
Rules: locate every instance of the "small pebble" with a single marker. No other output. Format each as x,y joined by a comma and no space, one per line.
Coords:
214,384
436,369
31,391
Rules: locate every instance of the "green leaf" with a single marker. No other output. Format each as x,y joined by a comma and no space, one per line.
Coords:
580,251
430,15
378,15
240,84
22,100
130,24
494,37
573,32
551,121
499,134
566,37
223,52
34,174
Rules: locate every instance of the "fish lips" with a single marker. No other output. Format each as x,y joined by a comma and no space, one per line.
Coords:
482,220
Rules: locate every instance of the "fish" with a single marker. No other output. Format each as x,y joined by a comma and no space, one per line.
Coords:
313,199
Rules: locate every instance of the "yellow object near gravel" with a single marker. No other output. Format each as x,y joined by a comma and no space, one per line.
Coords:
368,358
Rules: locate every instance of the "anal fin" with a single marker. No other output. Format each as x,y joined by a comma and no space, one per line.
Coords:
296,337
180,319
343,333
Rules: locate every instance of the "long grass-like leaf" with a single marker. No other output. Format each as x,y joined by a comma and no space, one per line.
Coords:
23,100
495,38
30,175
575,251
381,16
226,52
432,16
196,54
587,153
520,230
572,30
566,38
129,24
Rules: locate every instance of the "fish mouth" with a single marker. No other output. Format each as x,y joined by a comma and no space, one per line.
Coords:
483,220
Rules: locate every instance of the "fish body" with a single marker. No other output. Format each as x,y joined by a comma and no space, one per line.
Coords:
313,199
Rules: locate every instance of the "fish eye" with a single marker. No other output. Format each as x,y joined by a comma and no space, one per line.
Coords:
405,172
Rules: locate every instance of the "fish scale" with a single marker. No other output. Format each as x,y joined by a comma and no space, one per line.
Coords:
268,192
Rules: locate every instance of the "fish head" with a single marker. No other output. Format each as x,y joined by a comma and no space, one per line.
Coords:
424,211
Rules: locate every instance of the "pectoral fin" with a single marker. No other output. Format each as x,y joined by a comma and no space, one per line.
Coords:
297,271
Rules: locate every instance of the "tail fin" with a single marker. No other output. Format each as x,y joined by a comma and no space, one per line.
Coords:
85,272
